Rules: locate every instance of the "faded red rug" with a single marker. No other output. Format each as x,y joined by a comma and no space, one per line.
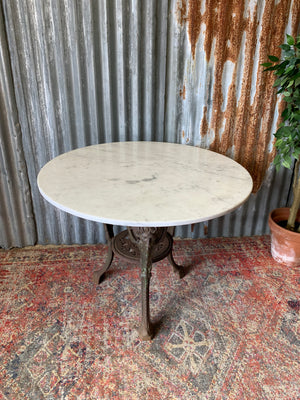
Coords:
230,329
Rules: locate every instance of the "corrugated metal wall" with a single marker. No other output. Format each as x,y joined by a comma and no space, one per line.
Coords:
87,71
17,226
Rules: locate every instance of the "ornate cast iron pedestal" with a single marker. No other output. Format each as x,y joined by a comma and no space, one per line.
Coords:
146,245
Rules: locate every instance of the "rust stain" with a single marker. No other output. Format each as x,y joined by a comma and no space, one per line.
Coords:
182,92
211,19
194,19
295,18
183,134
181,12
204,123
257,158
245,124
231,27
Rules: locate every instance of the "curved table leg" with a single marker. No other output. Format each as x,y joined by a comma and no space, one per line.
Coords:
176,268
98,275
145,329
145,239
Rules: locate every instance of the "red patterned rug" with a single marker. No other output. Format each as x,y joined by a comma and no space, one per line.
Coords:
230,329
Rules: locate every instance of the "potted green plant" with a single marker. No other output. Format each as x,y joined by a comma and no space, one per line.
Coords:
285,222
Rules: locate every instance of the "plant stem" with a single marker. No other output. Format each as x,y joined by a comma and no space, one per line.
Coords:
296,201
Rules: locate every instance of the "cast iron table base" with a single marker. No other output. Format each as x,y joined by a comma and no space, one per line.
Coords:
147,245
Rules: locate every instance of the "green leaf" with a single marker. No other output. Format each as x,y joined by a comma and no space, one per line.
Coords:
297,74
290,40
277,82
277,162
289,69
284,63
266,64
285,80
279,134
277,167
273,58
272,68
286,130
285,113
278,142
296,153
285,47
277,159
296,116
286,162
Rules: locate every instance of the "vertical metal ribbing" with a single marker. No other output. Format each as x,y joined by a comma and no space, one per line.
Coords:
17,225
88,72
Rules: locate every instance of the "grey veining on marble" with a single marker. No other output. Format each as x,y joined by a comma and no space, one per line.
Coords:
144,183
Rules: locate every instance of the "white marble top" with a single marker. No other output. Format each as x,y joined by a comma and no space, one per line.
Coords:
144,183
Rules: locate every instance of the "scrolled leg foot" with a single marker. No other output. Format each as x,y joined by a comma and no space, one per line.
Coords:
145,332
181,271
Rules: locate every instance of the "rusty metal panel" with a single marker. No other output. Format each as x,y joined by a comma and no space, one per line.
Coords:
225,101
186,71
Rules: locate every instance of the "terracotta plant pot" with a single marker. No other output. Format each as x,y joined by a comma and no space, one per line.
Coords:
285,244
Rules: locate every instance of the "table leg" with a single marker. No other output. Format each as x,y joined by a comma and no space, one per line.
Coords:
145,329
98,275
176,268
145,238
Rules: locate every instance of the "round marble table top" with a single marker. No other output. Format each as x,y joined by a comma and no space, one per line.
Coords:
144,183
